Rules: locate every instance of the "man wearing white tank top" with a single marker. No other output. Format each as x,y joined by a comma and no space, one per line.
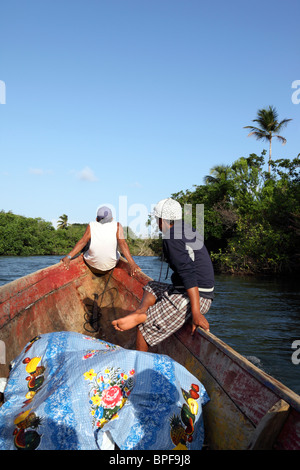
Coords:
105,237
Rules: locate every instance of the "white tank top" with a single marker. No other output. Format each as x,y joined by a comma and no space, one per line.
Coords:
103,253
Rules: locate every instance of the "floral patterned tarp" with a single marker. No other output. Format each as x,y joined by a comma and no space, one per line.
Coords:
71,391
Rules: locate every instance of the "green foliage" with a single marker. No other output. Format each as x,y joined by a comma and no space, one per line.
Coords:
252,217
268,127
22,236
251,220
62,221
141,246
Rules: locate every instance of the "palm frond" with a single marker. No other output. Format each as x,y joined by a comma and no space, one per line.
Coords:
269,126
258,133
282,139
282,124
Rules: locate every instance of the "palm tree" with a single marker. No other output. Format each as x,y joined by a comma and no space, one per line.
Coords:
62,221
220,177
269,127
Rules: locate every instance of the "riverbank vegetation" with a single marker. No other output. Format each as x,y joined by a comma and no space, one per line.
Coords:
251,216
251,220
24,236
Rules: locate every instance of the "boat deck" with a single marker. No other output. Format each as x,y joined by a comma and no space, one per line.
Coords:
247,408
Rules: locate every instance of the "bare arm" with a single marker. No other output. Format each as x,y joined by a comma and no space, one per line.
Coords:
125,250
198,318
78,247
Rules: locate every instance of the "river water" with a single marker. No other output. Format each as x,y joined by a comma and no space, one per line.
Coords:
259,318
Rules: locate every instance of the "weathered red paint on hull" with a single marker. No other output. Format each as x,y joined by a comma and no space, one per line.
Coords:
242,396
289,436
36,286
253,392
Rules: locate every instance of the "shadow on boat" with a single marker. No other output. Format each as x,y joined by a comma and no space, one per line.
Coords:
98,321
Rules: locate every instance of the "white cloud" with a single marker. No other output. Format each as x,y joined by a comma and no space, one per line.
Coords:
36,171
86,174
39,171
136,184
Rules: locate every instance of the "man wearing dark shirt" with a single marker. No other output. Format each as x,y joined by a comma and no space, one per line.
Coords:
166,307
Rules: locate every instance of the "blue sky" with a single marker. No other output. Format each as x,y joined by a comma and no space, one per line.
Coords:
124,102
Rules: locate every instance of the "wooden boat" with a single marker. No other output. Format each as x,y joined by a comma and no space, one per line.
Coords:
248,409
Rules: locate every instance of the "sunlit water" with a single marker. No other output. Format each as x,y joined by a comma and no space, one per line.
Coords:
259,318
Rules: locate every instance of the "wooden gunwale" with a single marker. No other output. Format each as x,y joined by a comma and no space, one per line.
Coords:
262,377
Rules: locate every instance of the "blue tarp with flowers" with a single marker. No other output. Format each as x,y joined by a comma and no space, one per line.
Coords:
71,391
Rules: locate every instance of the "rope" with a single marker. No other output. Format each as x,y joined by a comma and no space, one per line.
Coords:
93,319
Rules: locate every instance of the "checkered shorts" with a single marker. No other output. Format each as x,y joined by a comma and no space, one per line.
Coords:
169,312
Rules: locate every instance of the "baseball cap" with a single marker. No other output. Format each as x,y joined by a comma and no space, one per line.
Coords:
168,209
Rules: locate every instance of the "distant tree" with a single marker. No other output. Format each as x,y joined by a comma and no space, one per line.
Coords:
221,178
62,221
268,127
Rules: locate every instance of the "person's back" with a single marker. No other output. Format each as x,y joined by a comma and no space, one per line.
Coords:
103,239
103,252
188,257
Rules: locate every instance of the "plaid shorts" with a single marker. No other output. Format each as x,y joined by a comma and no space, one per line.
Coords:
169,312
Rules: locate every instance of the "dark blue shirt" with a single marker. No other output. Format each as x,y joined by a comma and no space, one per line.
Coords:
187,256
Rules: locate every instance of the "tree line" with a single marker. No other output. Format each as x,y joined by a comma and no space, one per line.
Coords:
251,216
251,220
25,236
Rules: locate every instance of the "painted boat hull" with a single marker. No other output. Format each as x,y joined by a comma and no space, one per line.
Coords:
248,409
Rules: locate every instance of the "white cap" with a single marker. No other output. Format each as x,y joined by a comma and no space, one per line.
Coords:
104,214
168,209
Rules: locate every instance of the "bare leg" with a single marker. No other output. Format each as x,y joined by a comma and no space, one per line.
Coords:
137,317
141,344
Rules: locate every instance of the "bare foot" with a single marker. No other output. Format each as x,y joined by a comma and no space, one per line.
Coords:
130,321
